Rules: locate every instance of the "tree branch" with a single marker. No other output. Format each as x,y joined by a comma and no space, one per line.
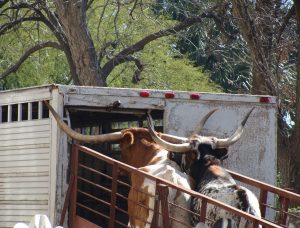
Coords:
89,4
140,67
20,5
36,8
285,22
103,49
30,51
3,2
122,56
252,36
7,26
36,15
100,19
133,8
136,78
115,19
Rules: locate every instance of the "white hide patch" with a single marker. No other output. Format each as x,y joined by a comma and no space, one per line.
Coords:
170,171
253,201
227,194
201,225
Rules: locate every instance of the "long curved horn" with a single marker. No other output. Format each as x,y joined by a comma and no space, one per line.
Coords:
80,137
223,143
173,138
179,148
202,122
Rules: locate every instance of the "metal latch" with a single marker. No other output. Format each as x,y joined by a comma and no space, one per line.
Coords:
114,105
72,90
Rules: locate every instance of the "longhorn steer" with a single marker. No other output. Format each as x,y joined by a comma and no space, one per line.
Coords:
139,150
213,180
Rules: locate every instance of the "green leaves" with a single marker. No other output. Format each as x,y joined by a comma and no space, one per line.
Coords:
113,25
164,69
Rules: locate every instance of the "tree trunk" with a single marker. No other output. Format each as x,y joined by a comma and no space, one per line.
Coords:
289,148
295,139
259,40
262,78
72,15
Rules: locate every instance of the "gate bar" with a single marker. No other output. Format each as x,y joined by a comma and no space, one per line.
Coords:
112,212
163,196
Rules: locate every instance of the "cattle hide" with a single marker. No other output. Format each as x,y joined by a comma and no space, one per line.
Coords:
140,202
214,181
139,150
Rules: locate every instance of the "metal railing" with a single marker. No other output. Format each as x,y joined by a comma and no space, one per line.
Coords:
284,198
79,196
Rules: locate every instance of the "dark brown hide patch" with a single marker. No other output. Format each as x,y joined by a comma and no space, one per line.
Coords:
243,199
192,182
190,158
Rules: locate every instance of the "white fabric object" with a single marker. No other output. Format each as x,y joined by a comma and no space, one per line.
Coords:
38,221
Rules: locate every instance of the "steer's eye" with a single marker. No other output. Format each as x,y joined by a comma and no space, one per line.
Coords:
199,147
204,148
221,153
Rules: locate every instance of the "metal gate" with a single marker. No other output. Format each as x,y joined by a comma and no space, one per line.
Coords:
100,210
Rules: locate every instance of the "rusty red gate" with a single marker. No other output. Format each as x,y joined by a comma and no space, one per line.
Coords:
103,207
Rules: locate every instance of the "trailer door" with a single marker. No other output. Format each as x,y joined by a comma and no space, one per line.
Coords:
254,154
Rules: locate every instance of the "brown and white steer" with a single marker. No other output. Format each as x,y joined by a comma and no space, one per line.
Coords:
139,150
213,180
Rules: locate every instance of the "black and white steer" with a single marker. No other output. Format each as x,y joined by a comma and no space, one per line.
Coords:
212,179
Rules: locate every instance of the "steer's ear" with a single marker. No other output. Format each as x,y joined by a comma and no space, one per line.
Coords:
128,138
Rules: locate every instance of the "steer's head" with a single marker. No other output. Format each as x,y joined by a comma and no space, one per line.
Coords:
200,145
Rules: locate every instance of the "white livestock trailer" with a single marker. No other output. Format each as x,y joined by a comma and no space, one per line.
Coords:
34,152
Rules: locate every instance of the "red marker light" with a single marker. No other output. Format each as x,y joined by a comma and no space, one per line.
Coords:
169,95
144,93
265,99
195,96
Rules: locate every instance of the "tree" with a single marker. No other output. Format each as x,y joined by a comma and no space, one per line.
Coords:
214,45
269,30
90,62
295,141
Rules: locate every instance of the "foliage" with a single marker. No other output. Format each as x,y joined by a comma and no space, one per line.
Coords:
161,68
39,71
111,31
297,208
215,45
226,60
43,67
163,71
